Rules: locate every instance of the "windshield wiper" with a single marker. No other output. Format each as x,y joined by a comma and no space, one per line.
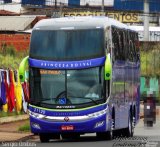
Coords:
91,100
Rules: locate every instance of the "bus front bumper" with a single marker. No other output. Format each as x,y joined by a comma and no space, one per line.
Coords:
97,124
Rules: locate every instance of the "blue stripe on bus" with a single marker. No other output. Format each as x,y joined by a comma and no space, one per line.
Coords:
67,64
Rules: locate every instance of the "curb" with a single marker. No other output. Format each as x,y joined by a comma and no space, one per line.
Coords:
19,139
23,139
9,119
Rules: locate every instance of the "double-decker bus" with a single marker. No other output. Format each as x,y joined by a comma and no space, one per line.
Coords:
83,78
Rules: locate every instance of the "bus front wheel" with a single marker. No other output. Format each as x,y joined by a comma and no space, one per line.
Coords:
44,137
107,135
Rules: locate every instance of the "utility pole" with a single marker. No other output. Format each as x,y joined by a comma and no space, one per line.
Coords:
146,31
55,3
102,8
146,20
61,9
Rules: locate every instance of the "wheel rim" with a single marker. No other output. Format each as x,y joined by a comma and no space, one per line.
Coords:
112,128
130,127
133,126
111,134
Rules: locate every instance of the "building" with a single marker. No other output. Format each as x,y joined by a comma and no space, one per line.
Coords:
14,30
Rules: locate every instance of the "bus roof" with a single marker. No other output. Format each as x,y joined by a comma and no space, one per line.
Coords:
80,22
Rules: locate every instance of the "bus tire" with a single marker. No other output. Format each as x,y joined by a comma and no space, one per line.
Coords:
105,135
55,136
111,132
44,137
109,135
129,131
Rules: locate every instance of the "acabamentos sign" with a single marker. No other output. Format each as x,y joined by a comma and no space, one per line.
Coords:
66,64
123,17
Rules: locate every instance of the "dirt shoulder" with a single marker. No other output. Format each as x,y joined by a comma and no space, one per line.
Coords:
9,131
12,127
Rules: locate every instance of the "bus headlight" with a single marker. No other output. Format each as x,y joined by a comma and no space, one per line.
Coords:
35,125
97,114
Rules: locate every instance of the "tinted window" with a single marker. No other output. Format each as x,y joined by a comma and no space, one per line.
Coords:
67,44
118,38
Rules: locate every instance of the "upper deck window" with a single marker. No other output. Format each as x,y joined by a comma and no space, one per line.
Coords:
67,44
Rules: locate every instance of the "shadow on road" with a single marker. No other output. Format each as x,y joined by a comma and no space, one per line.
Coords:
81,139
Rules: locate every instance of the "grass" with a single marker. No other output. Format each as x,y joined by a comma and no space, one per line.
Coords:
6,114
11,58
24,128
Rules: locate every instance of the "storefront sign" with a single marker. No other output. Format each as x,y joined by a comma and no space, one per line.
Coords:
122,17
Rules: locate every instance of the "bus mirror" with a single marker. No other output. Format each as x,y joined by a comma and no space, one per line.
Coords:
22,69
108,68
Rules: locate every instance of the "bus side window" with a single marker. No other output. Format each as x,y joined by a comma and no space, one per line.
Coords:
131,46
137,48
127,46
118,44
123,42
115,39
133,38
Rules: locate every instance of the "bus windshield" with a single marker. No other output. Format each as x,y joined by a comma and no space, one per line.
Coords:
63,45
77,86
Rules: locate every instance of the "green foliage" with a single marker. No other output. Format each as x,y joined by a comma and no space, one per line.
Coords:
150,60
8,50
10,57
13,113
5,114
150,67
11,51
24,128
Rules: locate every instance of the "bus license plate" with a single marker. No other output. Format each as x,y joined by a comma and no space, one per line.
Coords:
66,128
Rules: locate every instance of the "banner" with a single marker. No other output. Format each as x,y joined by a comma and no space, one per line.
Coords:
124,17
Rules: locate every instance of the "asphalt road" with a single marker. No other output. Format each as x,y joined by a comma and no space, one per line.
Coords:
143,137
